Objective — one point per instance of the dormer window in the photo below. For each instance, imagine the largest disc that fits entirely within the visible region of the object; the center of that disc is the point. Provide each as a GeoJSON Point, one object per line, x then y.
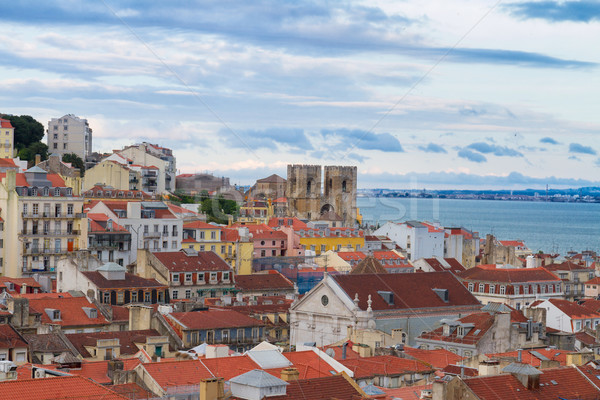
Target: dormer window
{"type": "Point", "coordinates": [460, 331]}
{"type": "Point", "coordinates": [34, 191]}
{"type": "Point", "coordinates": [55, 315]}
{"type": "Point", "coordinates": [69, 191]}
{"type": "Point", "coordinates": [446, 330]}
{"type": "Point", "coordinates": [481, 288]}
{"type": "Point", "coordinates": [46, 191]}
{"type": "Point", "coordinates": [56, 192]}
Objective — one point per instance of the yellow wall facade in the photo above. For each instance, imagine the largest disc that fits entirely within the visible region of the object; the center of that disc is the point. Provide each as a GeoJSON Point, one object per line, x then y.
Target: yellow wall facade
{"type": "Point", "coordinates": [334, 243]}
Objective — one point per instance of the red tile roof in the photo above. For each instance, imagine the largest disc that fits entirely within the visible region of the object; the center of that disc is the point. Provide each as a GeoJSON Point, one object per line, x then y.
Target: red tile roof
{"type": "Point", "coordinates": [71, 311]}
{"type": "Point", "coordinates": [567, 266]}
{"type": "Point", "coordinates": [285, 222]}
{"type": "Point", "coordinates": [179, 261]}
{"type": "Point", "coordinates": [199, 225]}
{"type": "Point", "coordinates": [64, 387]}
{"type": "Point", "coordinates": [438, 358]}
{"type": "Point", "coordinates": [352, 255]}
{"type": "Point", "coordinates": [555, 383]}
{"type": "Point", "coordinates": [127, 340]}
{"type": "Point", "coordinates": [178, 373]}
{"type": "Point", "coordinates": [213, 319]}
{"type": "Point", "coordinates": [335, 387]}
{"type": "Point", "coordinates": [482, 322]}
{"type": "Point", "coordinates": [9, 338]}
{"type": "Point", "coordinates": [132, 391]}
{"type": "Point", "coordinates": [273, 280]}
{"type": "Point", "coordinates": [454, 265]}
{"type": "Point", "coordinates": [513, 243]}
{"type": "Point", "coordinates": [5, 123]}
{"type": "Point", "coordinates": [98, 370]}
{"type": "Point", "coordinates": [591, 304]}
{"type": "Point", "coordinates": [593, 281]}
{"type": "Point", "coordinates": [573, 310]}
{"type": "Point", "coordinates": [130, 281]}
{"type": "Point", "coordinates": [460, 370]}
{"type": "Point", "coordinates": [518, 275]}
{"type": "Point", "coordinates": [527, 357]}
{"type": "Point", "coordinates": [406, 393]}
{"type": "Point", "coordinates": [368, 367]}
{"type": "Point", "coordinates": [411, 291]}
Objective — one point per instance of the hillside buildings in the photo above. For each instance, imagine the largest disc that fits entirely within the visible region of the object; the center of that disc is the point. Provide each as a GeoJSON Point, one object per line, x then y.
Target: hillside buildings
{"type": "Point", "coordinates": [69, 134]}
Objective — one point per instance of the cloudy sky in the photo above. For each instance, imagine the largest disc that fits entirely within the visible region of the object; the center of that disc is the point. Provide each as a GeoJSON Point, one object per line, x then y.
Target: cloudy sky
{"type": "Point", "coordinates": [426, 94]}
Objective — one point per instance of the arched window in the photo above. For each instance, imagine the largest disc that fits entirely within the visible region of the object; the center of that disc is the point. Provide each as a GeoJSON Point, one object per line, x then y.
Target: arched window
{"type": "Point", "coordinates": [344, 187]}
{"type": "Point", "coordinates": [308, 187]}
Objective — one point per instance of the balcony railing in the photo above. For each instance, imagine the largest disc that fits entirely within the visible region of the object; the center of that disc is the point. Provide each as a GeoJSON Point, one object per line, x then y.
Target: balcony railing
{"type": "Point", "coordinates": [52, 215]}
{"type": "Point", "coordinates": [51, 233]}
{"type": "Point", "coordinates": [46, 251]}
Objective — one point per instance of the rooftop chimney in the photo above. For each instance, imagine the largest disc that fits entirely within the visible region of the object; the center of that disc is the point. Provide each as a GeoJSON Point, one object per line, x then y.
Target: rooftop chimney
{"type": "Point", "coordinates": [38, 159]}
{"type": "Point", "coordinates": [290, 374]}
{"type": "Point", "coordinates": [212, 389]}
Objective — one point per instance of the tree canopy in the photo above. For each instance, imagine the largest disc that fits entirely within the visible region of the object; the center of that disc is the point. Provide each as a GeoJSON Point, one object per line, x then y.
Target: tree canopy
{"type": "Point", "coordinates": [27, 130]}
{"type": "Point", "coordinates": [75, 160]}
{"type": "Point", "coordinates": [218, 209]}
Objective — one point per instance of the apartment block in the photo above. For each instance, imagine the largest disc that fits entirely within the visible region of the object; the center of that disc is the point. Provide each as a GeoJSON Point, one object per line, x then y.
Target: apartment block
{"type": "Point", "coordinates": [69, 134]}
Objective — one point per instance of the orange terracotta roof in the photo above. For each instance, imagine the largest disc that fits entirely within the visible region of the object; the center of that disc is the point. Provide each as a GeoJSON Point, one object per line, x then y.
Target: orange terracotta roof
{"type": "Point", "coordinates": [179, 261]}
{"type": "Point", "coordinates": [64, 387]}
{"type": "Point", "coordinates": [517, 275]}
{"type": "Point", "coordinates": [438, 358]}
{"type": "Point", "coordinates": [555, 383]}
{"type": "Point", "coordinates": [132, 391]}
{"type": "Point", "coordinates": [274, 280]}
{"type": "Point", "coordinates": [5, 123]}
{"type": "Point", "coordinates": [367, 367]}
{"type": "Point", "coordinates": [178, 373]}
{"type": "Point", "coordinates": [199, 225]}
{"type": "Point", "coordinates": [213, 319]}
{"type": "Point", "coordinates": [71, 311]}
{"type": "Point", "coordinates": [527, 357]}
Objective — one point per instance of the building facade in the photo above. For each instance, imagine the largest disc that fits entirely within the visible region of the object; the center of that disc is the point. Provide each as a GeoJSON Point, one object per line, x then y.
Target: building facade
{"type": "Point", "coordinates": [69, 134]}
{"type": "Point", "coordinates": [42, 221]}
{"type": "Point", "coordinates": [7, 134]}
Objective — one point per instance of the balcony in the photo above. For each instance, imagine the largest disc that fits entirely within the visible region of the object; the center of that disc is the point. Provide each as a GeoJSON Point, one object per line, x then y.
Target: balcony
{"type": "Point", "coordinates": [52, 215]}
{"type": "Point", "coordinates": [151, 235]}
{"type": "Point", "coordinates": [47, 251]}
{"type": "Point", "coordinates": [50, 233]}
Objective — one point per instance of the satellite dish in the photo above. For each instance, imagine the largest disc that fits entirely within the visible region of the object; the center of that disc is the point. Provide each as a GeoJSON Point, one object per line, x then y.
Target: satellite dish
{"type": "Point", "coordinates": [330, 352]}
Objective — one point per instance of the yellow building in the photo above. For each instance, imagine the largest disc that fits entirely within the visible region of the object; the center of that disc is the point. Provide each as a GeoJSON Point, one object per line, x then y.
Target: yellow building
{"type": "Point", "coordinates": [256, 212]}
{"type": "Point", "coordinates": [114, 174]}
{"type": "Point", "coordinates": [336, 239]}
{"type": "Point", "coordinates": [231, 245]}
{"type": "Point", "coordinates": [7, 134]}
{"type": "Point", "coordinates": [42, 221]}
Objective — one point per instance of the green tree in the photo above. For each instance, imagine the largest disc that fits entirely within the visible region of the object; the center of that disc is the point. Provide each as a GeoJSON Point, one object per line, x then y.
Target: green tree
{"type": "Point", "coordinates": [27, 130]}
{"type": "Point", "coordinates": [29, 153]}
{"type": "Point", "coordinates": [75, 161]}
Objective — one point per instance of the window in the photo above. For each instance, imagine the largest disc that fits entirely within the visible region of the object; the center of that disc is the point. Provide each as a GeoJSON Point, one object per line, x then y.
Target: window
{"type": "Point", "coordinates": [165, 244]}
{"type": "Point", "coordinates": [240, 335]}
{"type": "Point", "coordinates": [201, 277]}
{"type": "Point", "coordinates": [147, 297]}
{"type": "Point", "coordinates": [35, 208]}
{"type": "Point", "coordinates": [64, 146]}
{"type": "Point", "coordinates": [174, 244]}
{"type": "Point", "coordinates": [213, 276]}
{"type": "Point", "coordinates": [175, 277]}
{"type": "Point", "coordinates": [201, 234]}
{"type": "Point", "coordinates": [188, 277]}
{"type": "Point", "coordinates": [262, 253]}
{"type": "Point", "coordinates": [481, 287]}
{"type": "Point", "coordinates": [213, 248]}
{"type": "Point", "coordinates": [134, 296]}
{"type": "Point", "coordinates": [120, 297]}
{"type": "Point", "coordinates": [213, 235]}
{"type": "Point", "coordinates": [70, 209]}
{"type": "Point", "coordinates": [175, 294]}
{"type": "Point", "coordinates": [470, 287]}
{"type": "Point", "coordinates": [225, 276]}
{"type": "Point", "coordinates": [188, 294]}
{"type": "Point", "coordinates": [516, 290]}
{"type": "Point", "coordinates": [525, 289]}
{"type": "Point", "coordinates": [492, 289]}
{"type": "Point", "coordinates": [502, 289]}
{"type": "Point", "coordinates": [255, 333]}
{"type": "Point", "coordinates": [106, 298]}
{"type": "Point", "coordinates": [222, 249]}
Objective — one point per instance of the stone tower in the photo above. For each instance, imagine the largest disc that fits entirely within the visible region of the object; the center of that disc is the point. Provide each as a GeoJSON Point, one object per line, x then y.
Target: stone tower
{"type": "Point", "coordinates": [340, 192]}
{"type": "Point", "coordinates": [309, 196]}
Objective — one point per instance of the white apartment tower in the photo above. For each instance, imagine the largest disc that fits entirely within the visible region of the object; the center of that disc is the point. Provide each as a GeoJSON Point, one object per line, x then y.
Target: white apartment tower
{"type": "Point", "coordinates": [69, 134]}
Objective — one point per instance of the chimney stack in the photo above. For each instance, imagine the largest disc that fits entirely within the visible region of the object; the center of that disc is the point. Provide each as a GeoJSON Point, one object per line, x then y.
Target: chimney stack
{"type": "Point", "coordinates": [290, 374]}
{"type": "Point", "coordinates": [212, 389]}
{"type": "Point", "coordinates": [38, 159]}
